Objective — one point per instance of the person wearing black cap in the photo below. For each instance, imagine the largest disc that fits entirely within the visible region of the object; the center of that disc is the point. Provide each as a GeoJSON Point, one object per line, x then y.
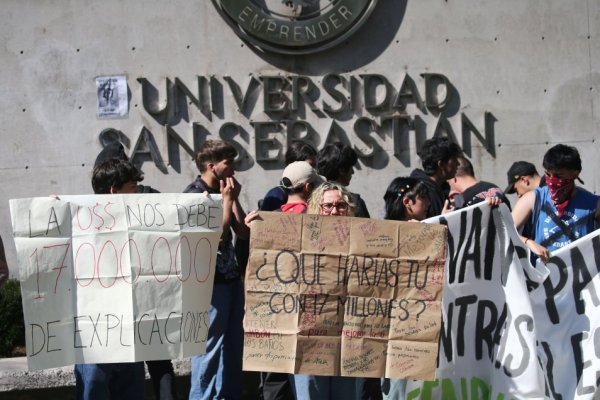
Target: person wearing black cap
{"type": "Point", "coordinates": [522, 178]}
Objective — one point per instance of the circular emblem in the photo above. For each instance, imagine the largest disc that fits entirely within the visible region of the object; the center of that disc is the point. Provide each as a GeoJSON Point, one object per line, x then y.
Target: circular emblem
{"type": "Point", "coordinates": [295, 26]}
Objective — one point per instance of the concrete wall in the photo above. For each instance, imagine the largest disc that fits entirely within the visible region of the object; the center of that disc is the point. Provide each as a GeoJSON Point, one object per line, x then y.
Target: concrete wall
{"type": "Point", "coordinates": [529, 68]}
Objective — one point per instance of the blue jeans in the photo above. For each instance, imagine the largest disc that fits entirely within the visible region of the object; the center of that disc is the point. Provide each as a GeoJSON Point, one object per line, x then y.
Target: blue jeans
{"type": "Point", "coordinates": [312, 387]}
{"type": "Point", "coordinates": [218, 373]}
{"type": "Point", "coordinates": [112, 381]}
{"type": "Point", "coordinates": [393, 389]}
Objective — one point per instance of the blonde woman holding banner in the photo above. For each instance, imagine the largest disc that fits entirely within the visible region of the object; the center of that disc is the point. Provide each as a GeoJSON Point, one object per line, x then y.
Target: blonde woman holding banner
{"type": "Point", "coordinates": [329, 199]}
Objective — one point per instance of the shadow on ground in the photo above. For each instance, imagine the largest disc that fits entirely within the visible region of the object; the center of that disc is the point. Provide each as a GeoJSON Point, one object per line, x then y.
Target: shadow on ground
{"type": "Point", "coordinates": [251, 380]}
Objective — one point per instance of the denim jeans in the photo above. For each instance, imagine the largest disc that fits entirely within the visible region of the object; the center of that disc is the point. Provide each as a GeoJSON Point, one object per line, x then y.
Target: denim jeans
{"type": "Point", "coordinates": [312, 387]}
{"type": "Point", "coordinates": [218, 373]}
{"type": "Point", "coordinates": [114, 381]}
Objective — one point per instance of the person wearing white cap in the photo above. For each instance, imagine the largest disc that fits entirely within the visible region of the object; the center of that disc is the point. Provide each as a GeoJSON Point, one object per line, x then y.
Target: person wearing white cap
{"type": "Point", "coordinates": [298, 181]}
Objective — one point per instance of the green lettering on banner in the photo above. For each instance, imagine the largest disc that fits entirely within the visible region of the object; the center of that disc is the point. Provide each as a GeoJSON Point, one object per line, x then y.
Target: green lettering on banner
{"type": "Point", "coordinates": [473, 388]}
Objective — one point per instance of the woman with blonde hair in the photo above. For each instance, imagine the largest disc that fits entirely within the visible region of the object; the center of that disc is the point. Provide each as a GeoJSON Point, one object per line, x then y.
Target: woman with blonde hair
{"type": "Point", "coordinates": [330, 198]}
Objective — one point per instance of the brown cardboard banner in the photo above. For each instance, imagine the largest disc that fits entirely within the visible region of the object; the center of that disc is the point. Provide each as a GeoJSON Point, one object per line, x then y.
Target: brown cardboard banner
{"type": "Point", "coordinates": [344, 296]}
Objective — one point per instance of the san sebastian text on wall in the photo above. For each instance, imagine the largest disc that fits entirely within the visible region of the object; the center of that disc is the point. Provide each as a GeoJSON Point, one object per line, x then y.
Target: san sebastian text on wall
{"type": "Point", "coordinates": [366, 111]}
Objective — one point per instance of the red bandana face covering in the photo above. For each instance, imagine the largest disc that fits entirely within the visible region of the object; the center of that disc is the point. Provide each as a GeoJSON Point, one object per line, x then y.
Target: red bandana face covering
{"type": "Point", "coordinates": [560, 192]}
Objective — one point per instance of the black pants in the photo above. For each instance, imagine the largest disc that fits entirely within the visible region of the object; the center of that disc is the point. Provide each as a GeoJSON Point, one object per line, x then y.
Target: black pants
{"type": "Point", "coordinates": [275, 386]}
{"type": "Point", "coordinates": [163, 379]}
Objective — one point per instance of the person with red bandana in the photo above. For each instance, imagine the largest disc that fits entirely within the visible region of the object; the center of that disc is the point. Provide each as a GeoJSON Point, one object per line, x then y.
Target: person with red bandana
{"type": "Point", "coordinates": [561, 212]}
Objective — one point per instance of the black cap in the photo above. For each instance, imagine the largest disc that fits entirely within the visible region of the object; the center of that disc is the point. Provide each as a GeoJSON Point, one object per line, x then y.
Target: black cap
{"type": "Point", "coordinates": [516, 171]}
{"type": "Point", "coordinates": [110, 151]}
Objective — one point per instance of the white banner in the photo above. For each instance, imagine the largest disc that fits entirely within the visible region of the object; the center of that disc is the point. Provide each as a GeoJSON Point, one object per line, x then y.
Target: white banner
{"type": "Point", "coordinates": [488, 342]}
{"type": "Point", "coordinates": [116, 278]}
{"type": "Point", "coordinates": [567, 315]}
{"type": "Point", "coordinates": [511, 330]}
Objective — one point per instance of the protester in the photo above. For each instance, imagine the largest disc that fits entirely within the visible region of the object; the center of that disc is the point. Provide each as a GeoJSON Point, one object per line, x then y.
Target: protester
{"type": "Point", "coordinates": [277, 196]}
{"type": "Point", "coordinates": [161, 371]}
{"type": "Point", "coordinates": [3, 265]}
{"type": "Point", "coordinates": [333, 199]}
{"type": "Point", "coordinates": [298, 180]}
{"type": "Point", "coordinates": [560, 212]}
{"type": "Point", "coordinates": [467, 190]}
{"type": "Point", "coordinates": [439, 158]}
{"type": "Point", "coordinates": [406, 199]}
{"type": "Point", "coordinates": [336, 163]}
{"type": "Point", "coordinates": [522, 178]}
{"type": "Point", "coordinates": [218, 373]}
{"type": "Point", "coordinates": [117, 151]}
{"type": "Point", "coordinates": [112, 381]}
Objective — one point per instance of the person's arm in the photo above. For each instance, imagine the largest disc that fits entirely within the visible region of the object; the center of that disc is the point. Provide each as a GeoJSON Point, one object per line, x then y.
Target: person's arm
{"type": "Point", "coordinates": [520, 214]}
{"type": "Point", "coordinates": [3, 265]}
{"type": "Point", "coordinates": [523, 209]}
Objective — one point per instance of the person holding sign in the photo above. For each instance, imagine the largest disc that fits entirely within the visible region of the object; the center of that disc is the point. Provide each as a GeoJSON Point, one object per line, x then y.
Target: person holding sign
{"type": "Point", "coordinates": [406, 199]}
{"type": "Point", "coordinates": [298, 180]}
{"type": "Point", "coordinates": [218, 373]}
{"type": "Point", "coordinates": [161, 371]}
{"type": "Point", "coordinates": [333, 199]}
{"type": "Point", "coordinates": [277, 196]}
{"type": "Point", "coordinates": [112, 380]}
{"type": "Point", "coordinates": [467, 190]}
{"type": "Point", "coordinates": [559, 212]}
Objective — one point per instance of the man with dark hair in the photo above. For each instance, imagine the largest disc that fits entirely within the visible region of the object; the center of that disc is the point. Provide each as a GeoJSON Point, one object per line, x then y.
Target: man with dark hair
{"type": "Point", "coordinates": [523, 177]}
{"type": "Point", "coordinates": [218, 373]}
{"type": "Point", "coordinates": [336, 163]}
{"type": "Point", "coordinates": [112, 380]}
{"type": "Point", "coordinates": [439, 159]}
{"type": "Point", "coordinates": [468, 190]}
{"type": "Point", "coordinates": [115, 150]}
{"type": "Point", "coordinates": [560, 212]}
{"type": "Point", "coordinates": [111, 174]}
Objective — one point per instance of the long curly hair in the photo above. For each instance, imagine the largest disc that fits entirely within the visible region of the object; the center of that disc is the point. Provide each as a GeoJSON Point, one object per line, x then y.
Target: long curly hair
{"type": "Point", "coordinates": [314, 203]}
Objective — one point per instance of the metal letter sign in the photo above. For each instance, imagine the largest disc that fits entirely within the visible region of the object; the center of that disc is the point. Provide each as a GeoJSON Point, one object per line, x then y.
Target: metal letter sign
{"type": "Point", "coordinates": [295, 26]}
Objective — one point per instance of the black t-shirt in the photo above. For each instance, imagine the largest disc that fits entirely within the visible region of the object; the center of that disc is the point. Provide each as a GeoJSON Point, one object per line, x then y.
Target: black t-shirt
{"type": "Point", "coordinates": [482, 190]}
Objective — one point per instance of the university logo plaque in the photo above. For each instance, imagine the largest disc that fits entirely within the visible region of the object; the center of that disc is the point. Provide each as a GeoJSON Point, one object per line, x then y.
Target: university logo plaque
{"type": "Point", "coordinates": [295, 26]}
